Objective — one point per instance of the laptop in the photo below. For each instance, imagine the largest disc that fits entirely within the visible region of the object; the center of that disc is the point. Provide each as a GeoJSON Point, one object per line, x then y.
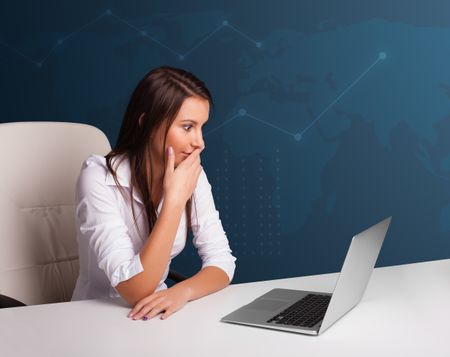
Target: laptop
{"type": "Point", "coordinates": [311, 312]}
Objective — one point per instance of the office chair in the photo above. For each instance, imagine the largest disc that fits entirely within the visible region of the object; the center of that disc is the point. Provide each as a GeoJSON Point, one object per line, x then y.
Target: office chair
{"type": "Point", "coordinates": [40, 163]}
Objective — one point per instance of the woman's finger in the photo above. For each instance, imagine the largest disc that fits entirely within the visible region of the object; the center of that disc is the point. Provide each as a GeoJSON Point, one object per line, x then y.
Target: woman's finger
{"type": "Point", "coordinates": [143, 313]}
{"type": "Point", "coordinates": [191, 159]}
{"type": "Point", "coordinates": [170, 166]}
{"type": "Point", "coordinates": [146, 309]}
{"type": "Point", "coordinates": [141, 303]}
{"type": "Point", "coordinates": [169, 311]}
{"type": "Point", "coordinates": [156, 310]}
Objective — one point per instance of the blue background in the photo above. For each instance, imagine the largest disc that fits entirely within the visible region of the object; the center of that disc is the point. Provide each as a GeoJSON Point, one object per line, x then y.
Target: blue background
{"type": "Point", "coordinates": [329, 116]}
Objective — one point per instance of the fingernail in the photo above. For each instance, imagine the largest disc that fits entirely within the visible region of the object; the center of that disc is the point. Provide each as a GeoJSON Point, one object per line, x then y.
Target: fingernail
{"type": "Point", "coordinates": [170, 150]}
{"type": "Point", "coordinates": [145, 318]}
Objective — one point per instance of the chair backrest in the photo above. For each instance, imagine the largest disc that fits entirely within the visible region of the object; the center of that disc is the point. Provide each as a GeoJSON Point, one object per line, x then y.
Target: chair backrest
{"type": "Point", "coordinates": [40, 163]}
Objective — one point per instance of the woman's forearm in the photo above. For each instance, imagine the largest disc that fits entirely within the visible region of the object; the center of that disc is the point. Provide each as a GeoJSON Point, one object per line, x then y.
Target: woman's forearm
{"type": "Point", "coordinates": [208, 280]}
{"type": "Point", "coordinates": [154, 255]}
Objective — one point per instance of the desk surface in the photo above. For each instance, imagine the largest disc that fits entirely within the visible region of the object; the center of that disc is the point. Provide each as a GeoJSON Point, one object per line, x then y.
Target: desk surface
{"type": "Point", "coordinates": [404, 312]}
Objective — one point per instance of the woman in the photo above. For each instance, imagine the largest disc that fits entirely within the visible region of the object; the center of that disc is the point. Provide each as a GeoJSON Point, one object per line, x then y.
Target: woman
{"type": "Point", "coordinates": [135, 205]}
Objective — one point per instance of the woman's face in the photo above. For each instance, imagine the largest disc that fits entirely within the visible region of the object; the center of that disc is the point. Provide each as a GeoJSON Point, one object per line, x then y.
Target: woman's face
{"type": "Point", "coordinates": [185, 133]}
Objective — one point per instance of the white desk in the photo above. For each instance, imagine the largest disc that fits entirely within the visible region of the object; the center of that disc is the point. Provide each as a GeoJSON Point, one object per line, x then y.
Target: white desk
{"type": "Point", "coordinates": [405, 312]}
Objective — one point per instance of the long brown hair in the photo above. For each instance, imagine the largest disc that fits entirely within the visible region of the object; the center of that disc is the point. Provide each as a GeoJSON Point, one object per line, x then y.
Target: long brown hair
{"type": "Point", "coordinates": [158, 97]}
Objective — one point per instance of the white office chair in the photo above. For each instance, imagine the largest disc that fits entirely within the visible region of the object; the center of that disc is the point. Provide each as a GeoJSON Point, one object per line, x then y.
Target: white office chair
{"type": "Point", "coordinates": [40, 163]}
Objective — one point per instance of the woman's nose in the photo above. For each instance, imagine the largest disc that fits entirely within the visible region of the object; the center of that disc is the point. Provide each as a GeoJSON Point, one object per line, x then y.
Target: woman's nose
{"type": "Point", "coordinates": [198, 141]}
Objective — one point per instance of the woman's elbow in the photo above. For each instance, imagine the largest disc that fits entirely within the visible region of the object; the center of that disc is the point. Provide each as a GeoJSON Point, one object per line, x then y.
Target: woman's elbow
{"type": "Point", "coordinates": [133, 291]}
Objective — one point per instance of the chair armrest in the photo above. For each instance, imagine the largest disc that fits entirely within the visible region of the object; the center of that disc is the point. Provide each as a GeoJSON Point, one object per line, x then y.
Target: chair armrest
{"type": "Point", "coordinates": [175, 276]}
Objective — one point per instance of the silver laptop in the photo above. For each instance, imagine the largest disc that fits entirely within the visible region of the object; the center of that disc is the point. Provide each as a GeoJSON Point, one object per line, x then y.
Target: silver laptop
{"type": "Point", "coordinates": [311, 312]}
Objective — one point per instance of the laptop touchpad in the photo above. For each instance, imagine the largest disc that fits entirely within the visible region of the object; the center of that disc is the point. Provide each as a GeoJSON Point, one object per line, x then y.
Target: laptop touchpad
{"type": "Point", "coordinates": [266, 304]}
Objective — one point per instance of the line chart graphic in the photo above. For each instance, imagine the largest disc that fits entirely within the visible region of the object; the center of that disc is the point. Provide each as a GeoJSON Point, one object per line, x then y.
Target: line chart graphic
{"type": "Point", "coordinates": [299, 135]}
{"type": "Point", "coordinates": [225, 24]}
{"type": "Point", "coordinates": [183, 55]}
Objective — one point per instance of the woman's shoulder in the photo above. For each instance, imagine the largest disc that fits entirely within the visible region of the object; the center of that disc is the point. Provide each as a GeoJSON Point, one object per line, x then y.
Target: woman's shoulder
{"type": "Point", "coordinates": [94, 165]}
{"type": "Point", "coordinates": [94, 161]}
{"type": "Point", "coordinates": [93, 172]}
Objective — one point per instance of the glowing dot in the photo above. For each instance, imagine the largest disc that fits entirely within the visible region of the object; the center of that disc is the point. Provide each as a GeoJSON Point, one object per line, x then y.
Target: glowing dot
{"type": "Point", "coordinates": [59, 42]}
{"type": "Point", "coordinates": [258, 44]}
{"type": "Point", "coordinates": [39, 65]}
{"type": "Point", "coordinates": [108, 12]}
{"type": "Point", "coordinates": [181, 57]}
{"type": "Point", "coordinates": [242, 112]}
{"type": "Point", "coordinates": [298, 137]}
{"type": "Point", "coordinates": [143, 33]}
{"type": "Point", "coordinates": [382, 56]}
{"type": "Point", "coordinates": [225, 23]}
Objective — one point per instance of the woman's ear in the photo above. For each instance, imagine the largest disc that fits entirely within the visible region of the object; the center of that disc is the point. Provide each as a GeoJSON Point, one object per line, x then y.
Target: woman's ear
{"type": "Point", "coordinates": [141, 120]}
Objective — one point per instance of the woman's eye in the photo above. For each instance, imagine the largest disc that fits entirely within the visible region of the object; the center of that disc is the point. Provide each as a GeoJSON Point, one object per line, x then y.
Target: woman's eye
{"type": "Point", "coordinates": [187, 127]}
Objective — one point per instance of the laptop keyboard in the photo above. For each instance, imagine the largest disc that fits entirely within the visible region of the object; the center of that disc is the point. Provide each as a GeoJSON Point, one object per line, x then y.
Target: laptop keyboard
{"type": "Point", "coordinates": [306, 312]}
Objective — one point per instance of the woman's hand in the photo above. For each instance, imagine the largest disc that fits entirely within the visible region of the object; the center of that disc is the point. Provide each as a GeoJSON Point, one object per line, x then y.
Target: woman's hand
{"type": "Point", "coordinates": [165, 301]}
{"type": "Point", "coordinates": [179, 183]}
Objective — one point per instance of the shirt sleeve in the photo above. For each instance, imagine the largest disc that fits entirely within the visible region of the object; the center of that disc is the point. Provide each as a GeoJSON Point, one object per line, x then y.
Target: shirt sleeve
{"type": "Point", "coordinates": [209, 237]}
{"type": "Point", "coordinates": [100, 222]}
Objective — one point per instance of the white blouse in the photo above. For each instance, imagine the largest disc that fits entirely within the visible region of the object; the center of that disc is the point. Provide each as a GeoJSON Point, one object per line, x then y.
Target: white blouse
{"type": "Point", "coordinates": [110, 241]}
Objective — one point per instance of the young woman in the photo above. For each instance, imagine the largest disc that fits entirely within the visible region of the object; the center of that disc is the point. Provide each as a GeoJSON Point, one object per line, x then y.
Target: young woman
{"type": "Point", "coordinates": [135, 206]}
